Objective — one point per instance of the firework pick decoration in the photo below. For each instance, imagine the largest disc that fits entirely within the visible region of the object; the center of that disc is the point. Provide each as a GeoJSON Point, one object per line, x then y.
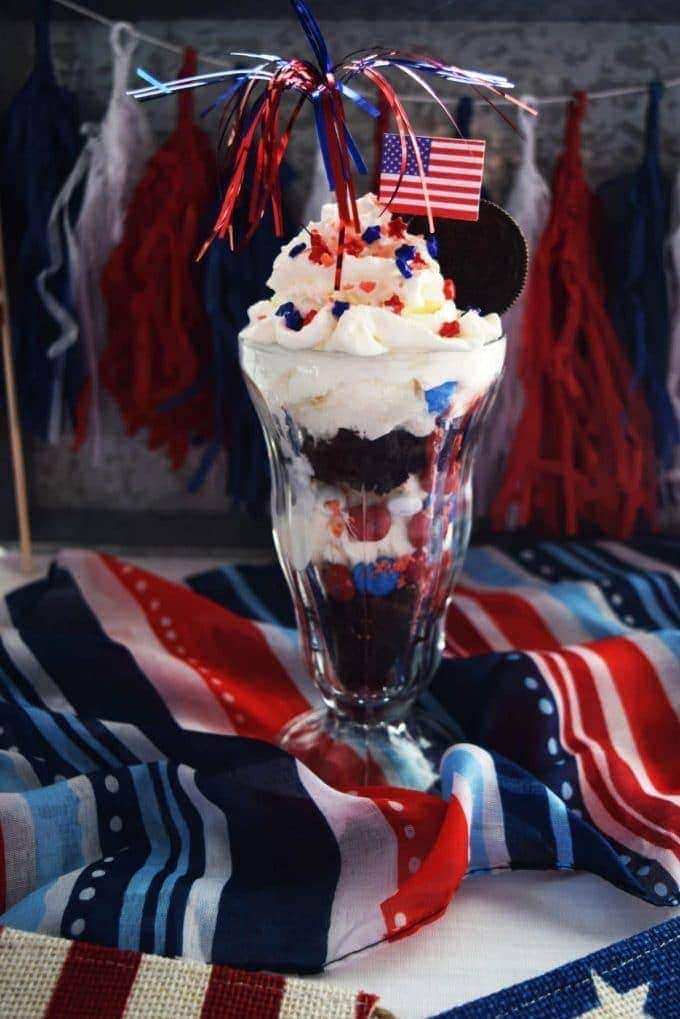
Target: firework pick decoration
{"type": "Point", "coordinates": [255, 133]}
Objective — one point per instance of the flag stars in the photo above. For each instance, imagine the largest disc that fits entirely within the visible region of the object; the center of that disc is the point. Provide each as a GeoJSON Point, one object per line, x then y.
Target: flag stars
{"type": "Point", "coordinates": [617, 599]}
{"type": "Point", "coordinates": [545, 706]}
{"type": "Point", "coordinates": [87, 894]}
{"type": "Point", "coordinates": [660, 889]}
{"type": "Point", "coordinates": [567, 791]}
{"type": "Point", "coordinates": [552, 746]}
{"type": "Point", "coordinates": [531, 683]}
{"type": "Point", "coordinates": [116, 823]}
{"type": "Point", "coordinates": [111, 783]}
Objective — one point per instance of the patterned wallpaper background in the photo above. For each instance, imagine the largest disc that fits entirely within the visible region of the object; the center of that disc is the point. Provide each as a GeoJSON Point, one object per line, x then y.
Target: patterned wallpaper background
{"type": "Point", "coordinates": [542, 58]}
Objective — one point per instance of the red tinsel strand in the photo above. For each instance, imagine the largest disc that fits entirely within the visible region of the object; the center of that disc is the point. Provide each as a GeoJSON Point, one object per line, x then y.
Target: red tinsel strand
{"type": "Point", "coordinates": [381, 125]}
{"type": "Point", "coordinates": [406, 131]}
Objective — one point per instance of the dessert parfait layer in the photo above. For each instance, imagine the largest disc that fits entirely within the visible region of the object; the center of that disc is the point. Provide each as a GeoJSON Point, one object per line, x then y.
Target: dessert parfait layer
{"type": "Point", "coordinates": [370, 396]}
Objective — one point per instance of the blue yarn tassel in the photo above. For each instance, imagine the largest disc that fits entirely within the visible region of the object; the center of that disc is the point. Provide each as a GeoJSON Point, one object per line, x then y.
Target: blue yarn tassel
{"type": "Point", "coordinates": [39, 144]}
{"type": "Point", "coordinates": [636, 213]}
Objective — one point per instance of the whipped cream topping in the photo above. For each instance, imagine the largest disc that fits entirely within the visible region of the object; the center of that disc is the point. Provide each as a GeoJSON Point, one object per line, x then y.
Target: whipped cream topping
{"type": "Point", "coordinates": [393, 295]}
{"type": "Point", "coordinates": [369, 356]}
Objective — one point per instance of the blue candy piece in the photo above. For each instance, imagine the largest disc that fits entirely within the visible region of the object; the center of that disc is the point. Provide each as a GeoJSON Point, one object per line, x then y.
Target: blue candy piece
{"type": "Point", "coordinates": [432, 245]}
{"type": "Point", "coordinates": [478, 310]}
{"type": "Point", "coordinates": [439, 397]}
{"type": "Point", "coordinates": [370, 234]}
{"type": "Point", "coordinates": [406, 252]}
{"type": "Point", "coordinates": [293, 320]}
{"type": "Point", "coordinates": [297, 250]}
{"type": "Point", "coordinates": [378, 582]}
{"type": "Point", "coordinates": [283, 309]}
{"type": "Point", "coordinates": [404, 269]}
{"type": "Point", "coordinates": [339, 308]}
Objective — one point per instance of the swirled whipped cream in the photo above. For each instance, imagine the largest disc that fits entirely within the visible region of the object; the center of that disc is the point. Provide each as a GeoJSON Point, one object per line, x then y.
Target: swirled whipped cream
{"type": "Point", "coordinates": [393, 295]}
{"type": "Point", "coordinates": [394, 316]}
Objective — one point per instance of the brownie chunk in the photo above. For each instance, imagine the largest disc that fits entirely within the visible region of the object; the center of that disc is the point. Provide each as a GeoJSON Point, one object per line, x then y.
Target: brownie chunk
{"type": "Point", "coordinates": [367, 636]}
{"type": "Point", "coordinates": [378, 465]}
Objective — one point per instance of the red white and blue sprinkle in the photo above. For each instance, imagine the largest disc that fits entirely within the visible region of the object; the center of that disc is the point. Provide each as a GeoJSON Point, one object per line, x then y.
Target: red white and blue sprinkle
{"type": "Point", "coordinates": [371, 234]}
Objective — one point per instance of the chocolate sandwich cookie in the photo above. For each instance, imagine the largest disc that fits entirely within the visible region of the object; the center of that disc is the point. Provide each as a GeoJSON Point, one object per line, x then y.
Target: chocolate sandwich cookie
{"type": "Point", "coordinates": [487, 260]}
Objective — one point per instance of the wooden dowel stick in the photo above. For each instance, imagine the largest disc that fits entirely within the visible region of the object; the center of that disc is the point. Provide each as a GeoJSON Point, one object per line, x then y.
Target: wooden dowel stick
{"type": "Point", "coordinates": [16, 447]}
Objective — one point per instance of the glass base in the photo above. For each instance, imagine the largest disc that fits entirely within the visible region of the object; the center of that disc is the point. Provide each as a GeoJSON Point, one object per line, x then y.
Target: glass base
{"type": "Point", "coordinates": [348, 755]}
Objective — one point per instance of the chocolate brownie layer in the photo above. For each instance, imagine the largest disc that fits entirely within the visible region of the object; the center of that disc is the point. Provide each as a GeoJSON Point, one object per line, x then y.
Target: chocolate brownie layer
{"type": "Point", "coordinates": [379, 465]}
{"type": "Point", "coordinates": [368, 634]}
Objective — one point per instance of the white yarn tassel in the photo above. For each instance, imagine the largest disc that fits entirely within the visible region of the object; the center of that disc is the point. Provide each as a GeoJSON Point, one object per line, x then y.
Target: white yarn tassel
{"type": "Point", "coordinates": [117, 160]}
{"type": "Point", "coordinates": [529, 205]}
{"type": "Point", "coordinates": [108, 167]}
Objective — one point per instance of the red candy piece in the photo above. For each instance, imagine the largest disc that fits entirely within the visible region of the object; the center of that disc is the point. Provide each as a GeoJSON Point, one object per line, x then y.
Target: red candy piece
{"type": "Point", "coordinates": [395, 303]}
{"type": "Point", "coordinates": [319, 249]}
{"type": "Point", "coordinates": [433, 446]}
{"type": "Point", "coordinates": [371, 524]}
{"type": "Point", "coordinates": [418, 529]}
{"type": "Point", "coordinates": [449, 290]}
{"type": "Point", "coordinates": [418, 262]}
{"type": "Point", "coordinates": [416, 569]}
{"type": "Point", "coordinates": [309, 316]}
{"type": "Point", "coordinates": [368, 286]}
{"type": "Point", "coordinates": [396, 227]}
{"type": "Point", "coordinates": [449, 329]}
{"type": "Point", "coordinates": [339, 583]}
{"type": "Point", "coordinates": [453, 477]}
{"type": "Point", "coordinates": [354, 246]}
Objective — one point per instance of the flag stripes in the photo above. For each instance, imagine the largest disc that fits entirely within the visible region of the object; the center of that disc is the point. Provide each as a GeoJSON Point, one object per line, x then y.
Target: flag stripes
{"type": "Point", "coordinates": [450, 183]}
{"type": "Point", "coordinates": [124, 700]}
{"type": "Point", "coordinates": [52, 978]}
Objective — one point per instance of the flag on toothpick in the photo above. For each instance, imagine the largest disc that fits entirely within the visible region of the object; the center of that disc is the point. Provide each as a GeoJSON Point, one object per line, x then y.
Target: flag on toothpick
{"type": "Point", "coordinates": [453, 169]}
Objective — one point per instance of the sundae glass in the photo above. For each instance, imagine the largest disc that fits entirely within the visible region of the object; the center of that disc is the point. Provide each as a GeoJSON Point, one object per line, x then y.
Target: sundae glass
{"type": "Point", "coordinates": [371, 398]}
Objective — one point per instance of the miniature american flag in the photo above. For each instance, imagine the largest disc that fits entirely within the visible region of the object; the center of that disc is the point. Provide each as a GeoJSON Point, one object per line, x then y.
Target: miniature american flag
{"type": "Point", "coordinates": [453, 169]}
